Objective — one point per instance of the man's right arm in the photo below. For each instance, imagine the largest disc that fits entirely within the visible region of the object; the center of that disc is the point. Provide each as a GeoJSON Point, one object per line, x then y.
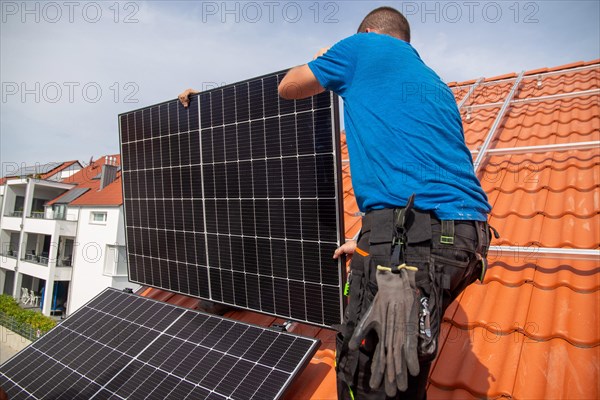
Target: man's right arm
{"type": "Point", "coordinates": [299, 83]}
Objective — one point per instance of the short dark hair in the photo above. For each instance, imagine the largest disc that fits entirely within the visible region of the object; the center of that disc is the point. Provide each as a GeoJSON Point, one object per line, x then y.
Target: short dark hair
{"type": "Point", "coordinates": [387, 20]}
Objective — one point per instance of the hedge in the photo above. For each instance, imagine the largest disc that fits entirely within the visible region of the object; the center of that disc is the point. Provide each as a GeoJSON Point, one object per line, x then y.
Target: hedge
{"type": "Point", "coordinates": [28, 319]}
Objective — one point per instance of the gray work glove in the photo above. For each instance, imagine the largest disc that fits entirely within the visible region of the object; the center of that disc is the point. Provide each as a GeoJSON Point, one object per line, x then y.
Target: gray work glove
{"type": "Point", "coordinates": [393, 315]}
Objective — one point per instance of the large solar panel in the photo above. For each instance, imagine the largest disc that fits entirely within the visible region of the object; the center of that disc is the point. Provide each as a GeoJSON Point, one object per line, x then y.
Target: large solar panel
{"type": "Point", "coordinates": [122, 346]}
{"type": "Point", "coordinates": [236, 199]}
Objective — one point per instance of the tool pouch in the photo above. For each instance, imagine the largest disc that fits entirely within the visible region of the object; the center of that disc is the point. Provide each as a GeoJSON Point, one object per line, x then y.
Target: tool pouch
{"type": "Point", "coordinates": [428, 279]}
{"type": "Point", "coordinates": [376, 236]}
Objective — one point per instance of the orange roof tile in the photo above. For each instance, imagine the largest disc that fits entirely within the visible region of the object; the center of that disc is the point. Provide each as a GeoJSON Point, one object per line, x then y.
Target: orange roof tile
{"type": "Point", "coordinates": [111, 195]}
{"type": "Point", "coordinates": [555, 369]}
{"type": "Point", "coordinates": [477, 312]}
{"type": "Point", "coordinates": [583, 277]}
{"type": "Point", "coordinates": [351, 218]}
{"type": "Point", "coordinates": [530, 330]}
{"type": "Point", "coordinates": [469, 360]}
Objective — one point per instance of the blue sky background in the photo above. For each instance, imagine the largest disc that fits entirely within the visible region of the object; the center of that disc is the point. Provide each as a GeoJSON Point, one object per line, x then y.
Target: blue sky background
{"type": "Point", "coordinates": [67, 71]}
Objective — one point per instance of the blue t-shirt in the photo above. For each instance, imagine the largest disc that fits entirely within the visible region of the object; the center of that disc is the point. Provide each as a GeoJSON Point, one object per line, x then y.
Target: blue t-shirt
{"type": "Point", "coordinates": [403, 129]}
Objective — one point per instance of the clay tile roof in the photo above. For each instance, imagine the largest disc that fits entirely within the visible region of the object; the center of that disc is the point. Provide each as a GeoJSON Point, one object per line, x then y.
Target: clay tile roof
{"type": "Point", "coordinates": [59, 168]}
{"type": "Point", "coordinates": [521, 333]}
{"type": "Point", "coordinates": [531, 330]}
{"type": "Point", "coordinates": [44, 171]}
{"type": "Point", "coordinates": [111, 195]}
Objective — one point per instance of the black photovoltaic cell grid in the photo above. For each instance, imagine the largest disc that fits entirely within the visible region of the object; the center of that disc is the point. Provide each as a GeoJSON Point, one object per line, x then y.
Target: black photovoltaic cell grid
{"type": "Point", "coordinates": [236, 199]}
{"type": "Point", "coordinates": [122, 346]}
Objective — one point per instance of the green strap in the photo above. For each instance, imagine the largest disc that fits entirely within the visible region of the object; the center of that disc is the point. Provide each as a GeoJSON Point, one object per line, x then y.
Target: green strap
{"type": "Point", "coordinates": [351, 392]}
{"type": "Point", "coordinates": [447, 232]}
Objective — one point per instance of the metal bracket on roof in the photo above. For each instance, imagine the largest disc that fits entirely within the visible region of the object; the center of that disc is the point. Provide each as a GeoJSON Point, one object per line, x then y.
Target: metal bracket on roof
{"type": "Point", "coordinates": [471, 90]}
{"type": "Point", "coordinates": [539, 81]}
{"type": "Point", "coordinates": [494, 128]}
{"type": "Point", "coordinates": [285, 327]}
{"type": "Point", "coordinates": [469, 109]}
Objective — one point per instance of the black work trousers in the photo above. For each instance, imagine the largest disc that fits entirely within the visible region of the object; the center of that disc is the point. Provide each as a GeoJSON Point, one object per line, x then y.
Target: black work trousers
{"type": "Point", "coordinates": [457, 265]}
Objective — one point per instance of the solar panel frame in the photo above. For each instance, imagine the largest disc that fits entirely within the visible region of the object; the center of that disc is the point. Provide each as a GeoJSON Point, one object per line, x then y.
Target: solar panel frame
{"type": "Point", "coordinates": [99, 352]}
{"type": "Point", "coordinates": [161, 263]}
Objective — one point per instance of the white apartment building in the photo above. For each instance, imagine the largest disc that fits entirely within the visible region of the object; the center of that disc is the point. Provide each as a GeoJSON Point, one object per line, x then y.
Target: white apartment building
{"type": "Point", "coordinates": [62, 234]}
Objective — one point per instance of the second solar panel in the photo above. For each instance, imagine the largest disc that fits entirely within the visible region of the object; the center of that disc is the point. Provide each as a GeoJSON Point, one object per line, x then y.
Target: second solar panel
{"type": "Point", "coordinates": [236, 199]}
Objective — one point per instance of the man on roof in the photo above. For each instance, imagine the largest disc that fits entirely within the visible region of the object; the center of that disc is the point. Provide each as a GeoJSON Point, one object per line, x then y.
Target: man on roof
{"type": "Point", "coordinates": [424, 234]}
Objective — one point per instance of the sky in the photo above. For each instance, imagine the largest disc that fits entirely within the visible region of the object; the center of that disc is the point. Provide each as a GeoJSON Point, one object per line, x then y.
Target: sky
{"type": "Point", "coordinates": [68, 68]}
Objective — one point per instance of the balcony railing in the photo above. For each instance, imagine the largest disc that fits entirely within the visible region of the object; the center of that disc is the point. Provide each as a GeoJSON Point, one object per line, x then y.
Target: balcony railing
{"type": "Point", "coordinates": [42, 260]}
{"type": "Point", "coordinates": [48, 215]}
{"type": "Point", "coordinates": [64, 262]}
{"type": "Point", "coordinates": [9, 254]}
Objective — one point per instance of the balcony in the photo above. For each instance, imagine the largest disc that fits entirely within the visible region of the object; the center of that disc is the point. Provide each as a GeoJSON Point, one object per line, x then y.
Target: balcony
{"type": "Point", "coordinates": [8, 262]}
{"type": "Point", "coordinates": [41, 260]}
{"type": "Point", "coordinates": [55, 215]}
{"type": "Point", "coordinates": [9, 254]}
{"type": "Point", "coordinates": [11, 223]}
{"type": "Point", "coordinates": [40, 271]}
{"type": "Point", "coordinates": [45, 223]}
{"type": "Point", "coordinates": [64, 262]}
{"type": "Point", "coordinates": [16, 214]}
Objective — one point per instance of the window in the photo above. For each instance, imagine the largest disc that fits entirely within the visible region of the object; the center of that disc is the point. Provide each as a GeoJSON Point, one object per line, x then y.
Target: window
{"type": "Point", "coordinates": [115, 262]}
{"type": "Point", "coordinates": [98, 217]}
{"type": "Point", "coordinates": [59, 211]}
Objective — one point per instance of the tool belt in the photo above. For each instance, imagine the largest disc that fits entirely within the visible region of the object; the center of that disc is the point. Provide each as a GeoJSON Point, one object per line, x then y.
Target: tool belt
{"type": "Point", "coordinates": [407, 235]}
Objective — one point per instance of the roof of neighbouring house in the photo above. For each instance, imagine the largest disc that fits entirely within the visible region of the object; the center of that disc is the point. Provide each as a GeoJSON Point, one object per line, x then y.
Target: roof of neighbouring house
{"type": "Point", "coordinates": [41, 171]}
{"type": "Point", "coordinates": [86, 178]}
{"type": "Point", "coordinates": [532, 328]}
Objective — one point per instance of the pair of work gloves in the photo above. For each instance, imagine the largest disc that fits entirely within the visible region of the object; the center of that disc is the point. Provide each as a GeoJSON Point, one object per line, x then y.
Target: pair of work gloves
{"type": "Point", "coordinates": [393, 315]}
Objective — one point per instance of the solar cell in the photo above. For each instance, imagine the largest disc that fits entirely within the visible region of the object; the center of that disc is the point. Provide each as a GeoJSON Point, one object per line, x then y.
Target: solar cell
{"type": "Point", "coordinates": [236, 199]}
{"type": "Point", "coordinates": [122, 346]}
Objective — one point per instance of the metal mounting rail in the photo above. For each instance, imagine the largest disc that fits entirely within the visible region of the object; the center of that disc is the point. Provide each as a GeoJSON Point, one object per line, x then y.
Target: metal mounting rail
{"type": "Point", "coordinates": [492, 132]}
{"type": "Point", "coordinates": [535, 76]}
{"type": "Point", "coordinates": [473, 87]}
{"type": "Point", "coordinates": [544, 148]}
{"type": "Point", "coordinates": [534, 252]}
{"type": "Point", "coordinates": [589, 92]}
